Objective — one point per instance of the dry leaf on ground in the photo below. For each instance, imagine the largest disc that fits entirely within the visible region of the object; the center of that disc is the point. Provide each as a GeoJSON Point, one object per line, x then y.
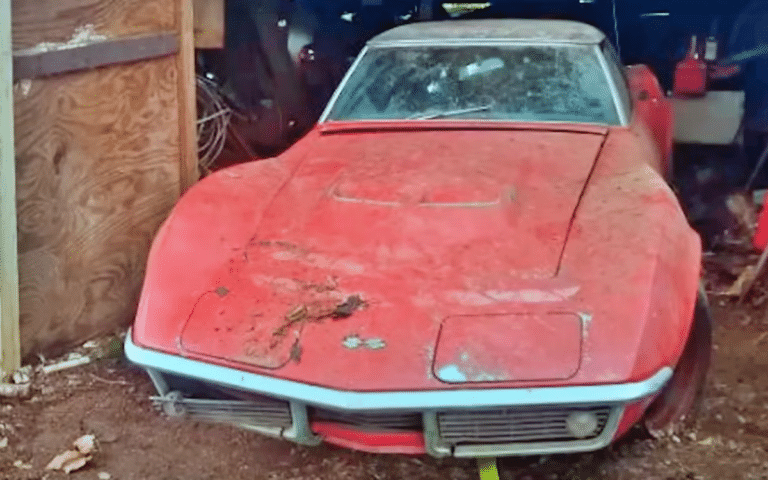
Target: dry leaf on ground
{"type": "Point", "coordinates": [72, 460]}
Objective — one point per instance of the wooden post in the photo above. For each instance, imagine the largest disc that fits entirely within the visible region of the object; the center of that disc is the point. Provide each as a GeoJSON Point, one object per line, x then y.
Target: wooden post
{"type": "Point", "coordinates": [187, 95]}
{"type": "Point", "coordinates": [9, 273]}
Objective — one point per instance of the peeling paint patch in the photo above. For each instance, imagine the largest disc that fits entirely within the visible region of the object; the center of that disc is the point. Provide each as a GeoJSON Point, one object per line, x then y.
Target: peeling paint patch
{"type": "Point", "coordinates": [288, 284]}
{"type": "Point", "coordinates": [375, 343]}
{"type": "Point", "coordinates": [486, 377]}
{"type": "Point", "coordinates": [429, 358]}
{"type": "Point", "coordinates": [328, 288]}
{"type": "Point", "coordinates": [529, 295]}
{"type": "Point", "coordinates": [532, 295]}
{"type": "Point", "coordinates": [348, 266]}
{"type": "Point", "coordinates": [608, 376]}
{"type": "Point", "coordinates": [464, 372]}
{"type": "Point", "coordinates": [470, 299]}
{"type": "Point", "coordinates": [284, 255]}
{"type": "Point", "coordinates": [451, 373]}
{"type": "Point", "coordinates": [353, 342]}
{"type": "Point", "coordinates": [586, 321]}
{"type": "Point", "coordinates": [319, 261]}
{"type": "Point", "coordinates": [23, 87]}
{"type": "Point", "coordinates": [83, 35]}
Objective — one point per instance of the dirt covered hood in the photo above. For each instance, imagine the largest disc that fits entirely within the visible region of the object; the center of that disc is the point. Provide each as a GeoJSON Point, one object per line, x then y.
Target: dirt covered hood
{"type": "Point", "coordinates": [379, 237]}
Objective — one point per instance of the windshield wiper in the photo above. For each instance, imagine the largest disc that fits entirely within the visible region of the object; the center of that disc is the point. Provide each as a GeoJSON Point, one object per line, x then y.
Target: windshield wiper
{"type": "Point", "coordinates": [450, 113]}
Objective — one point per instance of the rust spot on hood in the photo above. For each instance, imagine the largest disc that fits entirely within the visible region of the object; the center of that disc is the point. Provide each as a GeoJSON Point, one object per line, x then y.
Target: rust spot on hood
{"type": "Point", "coordinates": [222, 291]}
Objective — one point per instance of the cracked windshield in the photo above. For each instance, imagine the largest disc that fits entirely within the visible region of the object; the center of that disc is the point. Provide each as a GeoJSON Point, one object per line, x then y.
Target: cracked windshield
{"type": "Point", "coordinates": [519, 83]}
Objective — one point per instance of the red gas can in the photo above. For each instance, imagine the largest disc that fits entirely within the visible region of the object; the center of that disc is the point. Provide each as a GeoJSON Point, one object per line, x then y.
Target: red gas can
{"type": "Point", "coordinates": [691, 74]}
{"type": "Point", "coordinates": [760, 240]}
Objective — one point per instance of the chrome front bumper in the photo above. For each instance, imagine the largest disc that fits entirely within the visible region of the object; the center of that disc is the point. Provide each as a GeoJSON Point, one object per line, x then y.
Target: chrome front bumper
{"type": "Point", "coordinates": [300, 397]}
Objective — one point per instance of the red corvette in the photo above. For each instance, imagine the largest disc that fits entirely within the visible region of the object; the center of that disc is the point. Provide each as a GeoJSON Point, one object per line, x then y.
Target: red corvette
{"type": "Point", "coordinates": [474, 253]}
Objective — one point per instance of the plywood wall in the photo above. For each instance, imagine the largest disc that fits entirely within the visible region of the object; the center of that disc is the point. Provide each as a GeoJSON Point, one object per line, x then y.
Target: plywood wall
{"type": "Point", "coordinates": [209, 23]}
{"type": "Point", "coordinates": [101, 157]}
{"type": "Point", "coordinates": [36, 21]}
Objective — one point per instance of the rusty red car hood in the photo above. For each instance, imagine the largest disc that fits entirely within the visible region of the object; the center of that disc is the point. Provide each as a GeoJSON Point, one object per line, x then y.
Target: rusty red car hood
{"type": "Point", "coordinates": [382, 260]}
{"type": "Point", "coordinates": [469, 203]}
{"type": "Point", "coordinates": [414, 226]}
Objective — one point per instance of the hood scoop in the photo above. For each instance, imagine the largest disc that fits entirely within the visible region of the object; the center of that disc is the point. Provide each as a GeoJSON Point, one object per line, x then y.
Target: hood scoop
{"type": "Point", "coordinates": [421, 190]}
{"type": "Point", "coordinates": [478, 207]}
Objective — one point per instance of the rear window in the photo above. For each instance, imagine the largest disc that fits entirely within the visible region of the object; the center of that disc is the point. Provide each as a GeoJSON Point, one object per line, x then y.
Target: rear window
{"type": "Point", "coordinates": [551, 83]}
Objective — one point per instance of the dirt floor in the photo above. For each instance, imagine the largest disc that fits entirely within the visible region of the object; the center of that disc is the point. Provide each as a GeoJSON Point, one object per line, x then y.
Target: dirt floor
{"type": "Point", "coordinates": [110, 400]}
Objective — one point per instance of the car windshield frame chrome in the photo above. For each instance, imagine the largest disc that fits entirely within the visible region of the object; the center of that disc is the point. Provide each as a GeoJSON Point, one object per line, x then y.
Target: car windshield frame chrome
{"type": "Point", "coordinates": [613, 85]}
{"type": "Point", "coordinates": [616, 84]}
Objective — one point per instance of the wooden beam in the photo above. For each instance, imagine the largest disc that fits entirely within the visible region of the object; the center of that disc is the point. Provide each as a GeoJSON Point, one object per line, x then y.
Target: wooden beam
{"type": "Point", "coordinates": [37, 22]}
{"type": "Point", "coordinates": [187, 94]}
{"type": "Point", "coordinates": [34, 62]}
{"type": "Point", "coordinates": [9, 274]}
{"type": "Point", "coordinates": [209, 23]}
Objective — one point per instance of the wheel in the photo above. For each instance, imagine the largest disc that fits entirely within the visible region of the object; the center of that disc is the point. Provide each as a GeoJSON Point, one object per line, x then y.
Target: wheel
{"type": "Point", "coordinates": [681, 398]}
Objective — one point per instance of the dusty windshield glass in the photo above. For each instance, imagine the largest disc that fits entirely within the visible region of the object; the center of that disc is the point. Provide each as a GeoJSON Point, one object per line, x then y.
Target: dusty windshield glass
{"type": "Point", "coordinates": [557, 83]}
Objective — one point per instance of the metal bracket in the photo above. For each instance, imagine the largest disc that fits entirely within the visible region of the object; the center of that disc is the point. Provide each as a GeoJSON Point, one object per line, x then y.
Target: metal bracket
{"type": "Point", "coordinates": [432, 441]}
{"type": "Point", "coordinates": [300, 431]}
{"type": "Point", "coordinates": [158, 381]}
{"type": "Point", "coordinates": [173, 404]}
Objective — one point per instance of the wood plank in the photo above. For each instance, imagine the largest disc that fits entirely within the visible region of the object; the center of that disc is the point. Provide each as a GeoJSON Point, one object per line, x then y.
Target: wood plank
{"type": "Point", "coordinates": [9, 274]}
{"type": "Point", "coordinates": [34, 63]}
{"type": "Point", "coordinates": [97, 157]}
{"type": "Point", "coordinates": [58, 21]}
{"type": "Point", "coordinates": [209, 23]}
{"type": "Point", "coordinates": [187, 96]}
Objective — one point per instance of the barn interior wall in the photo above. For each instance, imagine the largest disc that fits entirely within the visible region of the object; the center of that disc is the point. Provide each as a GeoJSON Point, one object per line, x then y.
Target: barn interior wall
{"type": "Point", "coordinates": [101, 157]}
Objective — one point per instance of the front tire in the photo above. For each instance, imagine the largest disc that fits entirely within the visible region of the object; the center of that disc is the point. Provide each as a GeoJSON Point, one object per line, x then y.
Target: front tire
{"type": "Point", "coordinates": [680, 400]}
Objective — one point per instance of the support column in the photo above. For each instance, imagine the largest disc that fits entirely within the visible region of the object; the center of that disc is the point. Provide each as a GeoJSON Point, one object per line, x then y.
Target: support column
{"type": "Point", "coordinates": [9, 272]}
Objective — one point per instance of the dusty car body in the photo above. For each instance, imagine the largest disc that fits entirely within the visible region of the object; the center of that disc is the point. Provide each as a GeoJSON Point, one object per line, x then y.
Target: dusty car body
{"type": "Point", "coordinates": [474, 253]}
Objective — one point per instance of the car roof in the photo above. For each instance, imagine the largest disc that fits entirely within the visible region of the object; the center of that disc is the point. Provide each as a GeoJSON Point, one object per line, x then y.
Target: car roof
{"type": "Point", "coordinates": [491, 30]}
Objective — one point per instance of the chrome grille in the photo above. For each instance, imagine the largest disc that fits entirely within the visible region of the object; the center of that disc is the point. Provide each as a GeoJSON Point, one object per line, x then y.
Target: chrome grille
{"type": "Point", "coordinates": [370, 420]}
{"type": "Point", "coordinates": [257, 412]}
{"type": "Point", "coordinates": [513, 425]}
